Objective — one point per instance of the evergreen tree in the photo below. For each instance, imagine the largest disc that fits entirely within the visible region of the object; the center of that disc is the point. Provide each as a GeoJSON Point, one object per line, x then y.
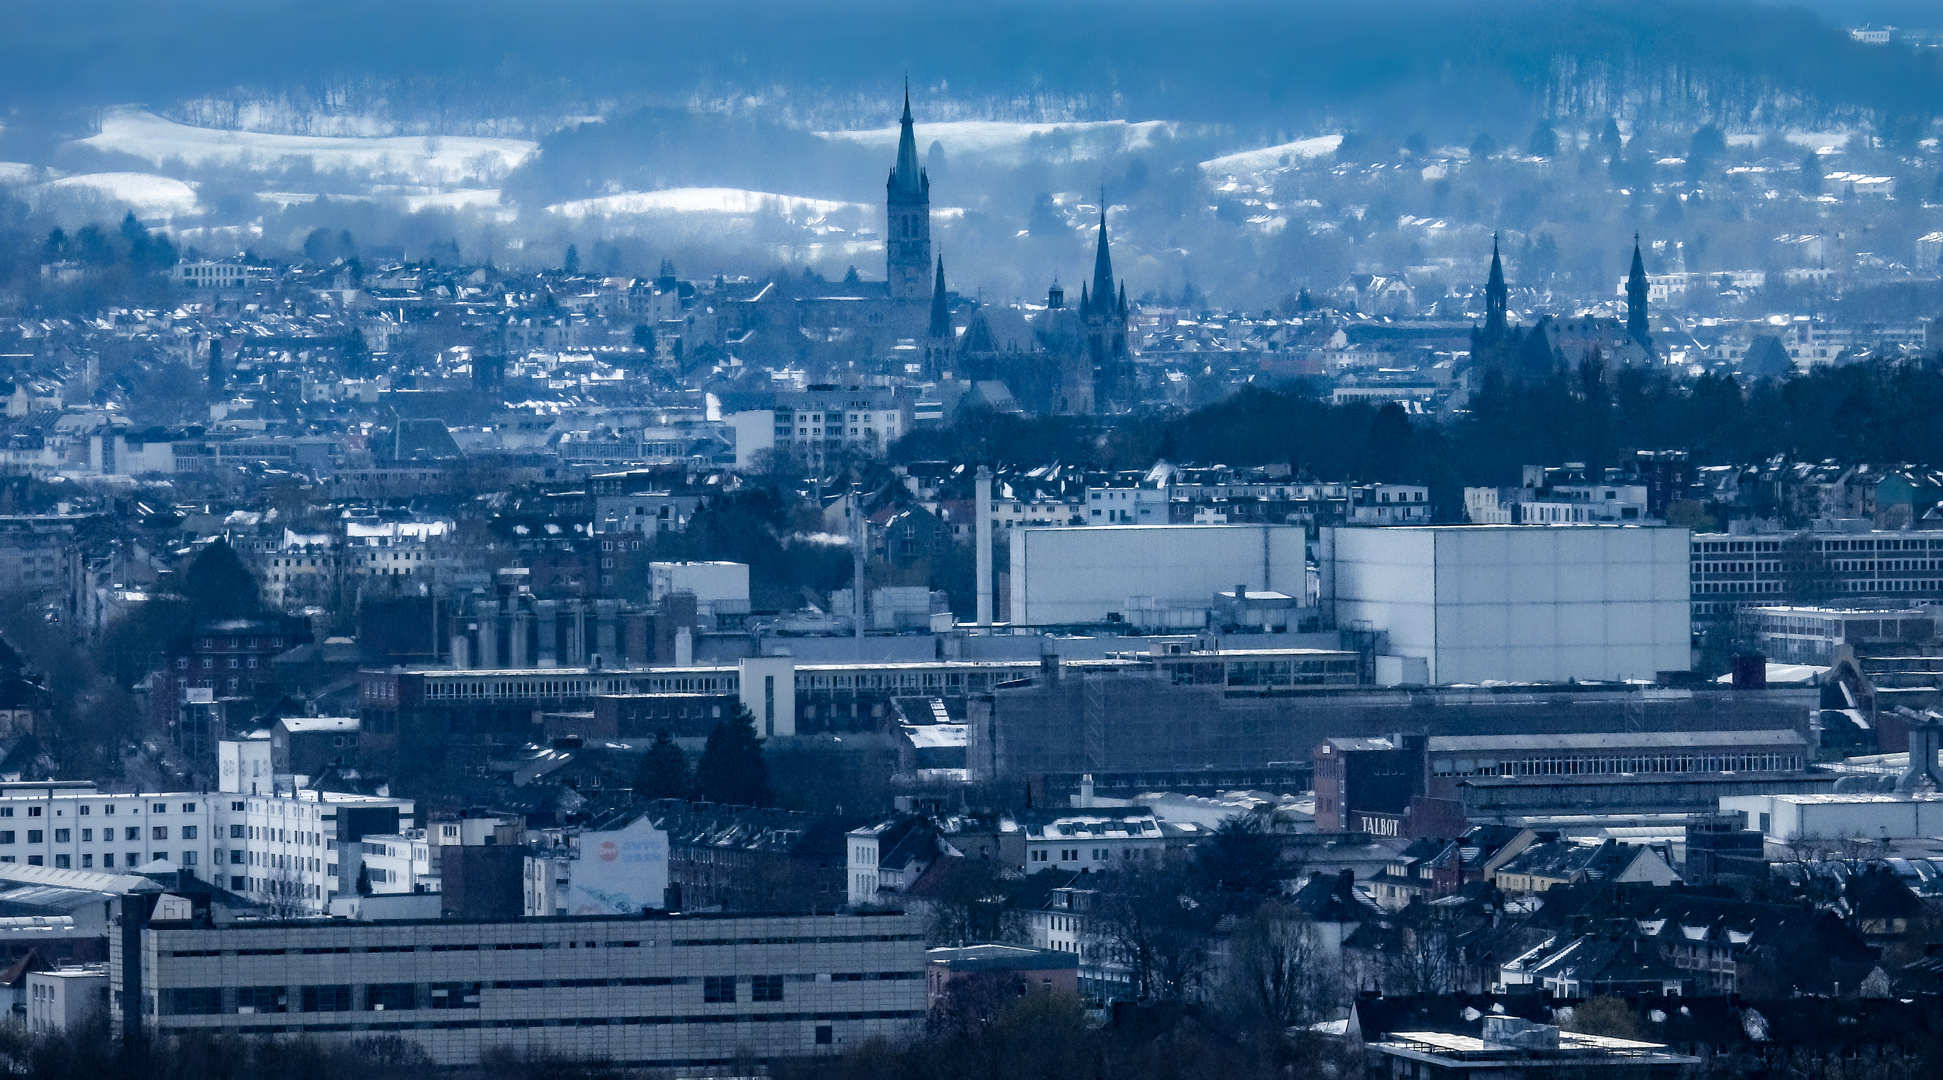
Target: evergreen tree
{"type": "Point", "coordinates": [731, 769]}
{"type": "Point", "coordinates": [572, 264]}
{"type": "Point", "coordinates": [218, 585]}
{"type": "Point", "coordinates": [664, 770]}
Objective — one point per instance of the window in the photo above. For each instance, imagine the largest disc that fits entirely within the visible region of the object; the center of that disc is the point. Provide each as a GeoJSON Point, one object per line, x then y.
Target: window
{"type": "Point", "coordinates": [35, 836]}
{"type": "Point", "coordinates": [261, 999]}
{"type": "Point", "coordinates": [6, 836]}
{"type": "Point", "coordinates": [188, 858]}
{"type": "Point", "coordinates": [236, 832]}
{"type": "Point", "coordinates": [318, 999]}
{"type": "Point", "coordinates": [161, 832]}
{"type": "Point", "coordinates": [236, 858]}
{"type": "Point", "coordinates": [718, 989]}
{"type": "Point", "coordinates": [108, 861]}
{"type": "Point", "coordinates": [188, 832]}
{"type": "Point", "coordinates": [134, 832]}
{"type": "Point", "coordinates": [61, 862]}
{"type": "Point", "coordinates": [766, 988]}
{"type": "Point", "coordinates": [195, 1001]}
{"type": "Point", "coordinates": [455, 995]}
{"type": "Point", "coordinates": [188, 808]}
{"type": "Point", "coordinates": [380, 997]}
{"type": "Point", "coordinates": [825, 1034]}
{"type": "Point", "coordinates": [33, 811]}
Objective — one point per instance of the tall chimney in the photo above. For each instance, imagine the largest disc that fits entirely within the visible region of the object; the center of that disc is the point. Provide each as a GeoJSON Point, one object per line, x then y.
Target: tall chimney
{"type": "Point", "coordinates": [982, 493]}
{"type": "Point", "coordinates": [857, 536]}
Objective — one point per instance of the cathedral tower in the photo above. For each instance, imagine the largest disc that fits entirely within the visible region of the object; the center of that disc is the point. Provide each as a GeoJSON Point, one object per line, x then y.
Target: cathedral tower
{"type": "Point", "coordinates": [907, 237]}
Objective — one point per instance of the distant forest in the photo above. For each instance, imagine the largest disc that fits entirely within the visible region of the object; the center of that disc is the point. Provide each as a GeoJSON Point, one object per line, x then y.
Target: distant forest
{"type": "Point", "coordinates": [1257, 66]}
{"type": "Point", "coordinates": [1867, 412]}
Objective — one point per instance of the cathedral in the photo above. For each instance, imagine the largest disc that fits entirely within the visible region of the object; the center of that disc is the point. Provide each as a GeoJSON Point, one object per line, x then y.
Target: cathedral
{"type": "Point", "coordinates": [1555, 344]}
{"type": "Point", "coordinates": [1058, 360]}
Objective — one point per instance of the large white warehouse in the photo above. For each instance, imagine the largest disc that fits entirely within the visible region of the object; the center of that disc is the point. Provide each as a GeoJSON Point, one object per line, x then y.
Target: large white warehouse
{"type": "Point", "coordinates": [1088, 574]}
{"type": "Point", "coordinates": [1516, 603]}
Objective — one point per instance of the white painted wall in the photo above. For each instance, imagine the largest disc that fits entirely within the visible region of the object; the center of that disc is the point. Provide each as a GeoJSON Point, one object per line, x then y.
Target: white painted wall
{"type": "Point", "coordinates": [1081, 574]}
{"type": "Point", "coordinates": [1517, 603]}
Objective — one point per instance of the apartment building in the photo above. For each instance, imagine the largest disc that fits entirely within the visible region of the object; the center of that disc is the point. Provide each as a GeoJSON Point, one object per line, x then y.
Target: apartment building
{"type": "Point", "coordinates": [660, 991]}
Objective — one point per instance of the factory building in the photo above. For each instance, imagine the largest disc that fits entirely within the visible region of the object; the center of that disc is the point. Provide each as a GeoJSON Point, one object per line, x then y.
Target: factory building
{"type": "Point", "coordinates": [1538, 604]}
{"type": "Point", "coordinates": [1161, 576]}
{"type": "Point", "coordinates": [1123, 726]}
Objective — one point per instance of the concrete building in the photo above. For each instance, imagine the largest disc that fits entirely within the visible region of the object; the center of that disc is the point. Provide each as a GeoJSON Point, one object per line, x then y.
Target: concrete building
{"type": "Point", "coordinates": [1089, 575]}
{"type": "Point", "coordinates": [1730, 572]}
{"type": "Point", "coordinates": [1514, 603]}
{"type": "Point", "coordinates": [65, 999]}
{"type": "Point", "coordinates": [1813, 635]}
{"type": "Point", "coordinates": [1033, 969]}
{"type": "Point", "coordinates": [667, 992]}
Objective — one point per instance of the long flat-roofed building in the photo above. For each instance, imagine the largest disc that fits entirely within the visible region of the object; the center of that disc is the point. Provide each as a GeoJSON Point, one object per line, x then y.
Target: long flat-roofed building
{"type": "Point", "coordinates": [664, 992]}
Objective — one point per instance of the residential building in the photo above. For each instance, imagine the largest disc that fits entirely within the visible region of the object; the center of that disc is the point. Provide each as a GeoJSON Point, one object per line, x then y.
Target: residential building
{"type": "Point", "coordinates": [66, 999]}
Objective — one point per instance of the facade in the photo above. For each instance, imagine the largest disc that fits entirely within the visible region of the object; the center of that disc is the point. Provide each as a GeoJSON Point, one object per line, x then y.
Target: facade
{"type": "Point", "coordinates": [65, 999]}
{"type": "Point", "coordinates": [1813, 635]}
{"type": "Point", "coordinates": [1514, 603]}
{"type": "Point", "coordinates": [666, 992]}
{"type": "Point", "coordinates": [1732, 572]}
{"type": "Point", "coordinates": [1097, 842]}
{"type": "Point", "coordinates": [1089, 575]}
{"type": "Point", "coordinates": [820, 424]}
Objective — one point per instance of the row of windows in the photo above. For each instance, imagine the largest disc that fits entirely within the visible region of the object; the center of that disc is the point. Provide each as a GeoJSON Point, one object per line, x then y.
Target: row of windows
{"type": "Point", "coordinates": [107, 810]}
{"type": "Point", "coordinates": [66, 836]}
{"type": "Point", "coordinates": [1574, 766]}
{"type": "Point", "coordinates": [1755, 547]}
{"type": "Point", "coordinates": [134, 859]}
{"type": "Point", "coordinates": [1098, 854]}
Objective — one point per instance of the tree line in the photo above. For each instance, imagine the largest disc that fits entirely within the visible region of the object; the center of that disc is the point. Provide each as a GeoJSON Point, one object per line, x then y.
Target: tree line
{"type": "Point", "coordinates": [1875, 411]}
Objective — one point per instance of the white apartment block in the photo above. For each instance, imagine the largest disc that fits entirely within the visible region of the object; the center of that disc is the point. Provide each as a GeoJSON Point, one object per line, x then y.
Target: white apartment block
{"type": "Point", "coordinates": [70, 825]}
{"type": "Point", "coordinates": [815, 424]}
{"type": "Point", "coordinates": [399, 862]}
{"type": "Point", "coordinates": [392, 548]}
{"type": "Point", "coordinates": [284, 849]}
{"type": "Point", "coordinates": [667, 992]}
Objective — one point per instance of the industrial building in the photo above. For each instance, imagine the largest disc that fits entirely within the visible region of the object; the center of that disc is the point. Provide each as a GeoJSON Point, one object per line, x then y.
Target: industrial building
{"type": "Point", "coordinates": [1416, 785]}
{"type": "Point", "coordinates": [660, 991]}
{"type": "Point", "coordinates": [1163, 576]}
{"type": "Point", "coordinates": [1486, 603]}
{"type": "Point", "coordinates": [1125, 725]}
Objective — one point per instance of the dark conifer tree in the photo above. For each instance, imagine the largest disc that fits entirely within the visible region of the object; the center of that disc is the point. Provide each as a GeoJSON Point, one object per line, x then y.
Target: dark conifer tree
{"type": "Point", "coordinates": [731, 769]}
{"type": "Point", "coordinates": [664, 770]}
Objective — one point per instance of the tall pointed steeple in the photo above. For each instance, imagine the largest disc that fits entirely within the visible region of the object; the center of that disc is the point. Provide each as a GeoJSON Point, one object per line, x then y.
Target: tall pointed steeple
{"type": "Point", "coordinates": [1103, 262]}
{"type": "Point", "coordinates": [940, 311]}
{"type": "Point", "coordinates": [1496, 298]}
{"type": "Point", "coordinates": [908, 176]}
{"type": "Point", "coordinates": [1636, 293]}
{"type": "Point", "coordinates": [907, 209]}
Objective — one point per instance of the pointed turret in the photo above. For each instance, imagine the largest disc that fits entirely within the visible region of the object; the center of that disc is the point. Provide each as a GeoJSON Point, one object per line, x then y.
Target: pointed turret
{"type": "Point", "coordinates": [1103, 263]}
{"type": "Point", "coordinates": [1636, 292]}
{"type": "Point", "coordinates": [1496, 298]}
{"type": "Point", "coordinates": [1085, 301]}
{"type": "Point", "coordinates": [940, 312]}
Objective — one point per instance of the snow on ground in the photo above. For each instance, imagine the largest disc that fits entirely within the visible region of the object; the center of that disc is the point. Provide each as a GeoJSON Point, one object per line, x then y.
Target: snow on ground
{"type": "Point", "coordinates": [702, 201]}
{"type": "Point", "coordinates": [426, 159]}
{"type": "Point", "coordinates": [1006, 142]}
{"type": "Point", "coordinates": [150, 196]}
{"type": "Point", "coordinates": [1269, 157]}
{"type": "Point", "coordinates": [469, 199]}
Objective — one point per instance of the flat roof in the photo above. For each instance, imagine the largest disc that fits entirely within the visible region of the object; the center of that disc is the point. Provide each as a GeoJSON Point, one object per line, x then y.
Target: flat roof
{"type": "Point", "coordinates": [1458, 744]}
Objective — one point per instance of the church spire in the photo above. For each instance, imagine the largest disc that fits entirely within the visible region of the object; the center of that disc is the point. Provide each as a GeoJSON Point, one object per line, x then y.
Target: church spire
{"type": "Point", "coordinates": [1636, 292]}
{"type": "Point", "coordinates": [940, 312]}
{"type": "Point", "coordinates": [908, 177]}
{"type": "Point", "coordinates": [1496, 297]}
{"type": "Point", "coordinates": [1103, 262]}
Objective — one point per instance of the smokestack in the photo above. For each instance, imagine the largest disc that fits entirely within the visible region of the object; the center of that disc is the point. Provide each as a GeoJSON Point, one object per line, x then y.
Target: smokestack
{"type": "Point", "coordinates": [857, 566]}
{"type": "Point", "coordinates": [982, 493]}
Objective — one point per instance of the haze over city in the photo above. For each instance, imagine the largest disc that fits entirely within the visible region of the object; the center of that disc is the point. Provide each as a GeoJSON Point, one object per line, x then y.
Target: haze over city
{"type": "Point", "coordinates": [836, 541]}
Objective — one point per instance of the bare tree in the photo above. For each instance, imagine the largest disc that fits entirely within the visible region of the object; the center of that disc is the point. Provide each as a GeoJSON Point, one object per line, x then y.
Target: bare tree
{"type": "Point", "coordinates": [1151, 923]}
{"type": "Point", "coordinates": [1278, 969]}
